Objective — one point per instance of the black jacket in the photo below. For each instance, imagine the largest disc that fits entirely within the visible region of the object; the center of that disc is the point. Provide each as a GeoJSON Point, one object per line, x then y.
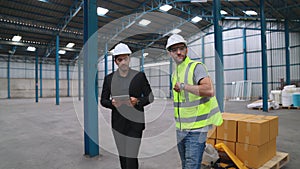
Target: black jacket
{"type": "Point", "coordinates": [127, 118]}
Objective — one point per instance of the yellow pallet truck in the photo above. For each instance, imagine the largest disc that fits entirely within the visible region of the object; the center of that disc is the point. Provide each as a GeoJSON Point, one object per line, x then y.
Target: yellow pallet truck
{"type": "Point", "coordinates": [237, 164]}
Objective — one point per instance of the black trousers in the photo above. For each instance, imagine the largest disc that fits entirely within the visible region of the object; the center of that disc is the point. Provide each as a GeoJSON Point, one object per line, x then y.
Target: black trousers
{"type": "Point", "coordinates": [128, 145]}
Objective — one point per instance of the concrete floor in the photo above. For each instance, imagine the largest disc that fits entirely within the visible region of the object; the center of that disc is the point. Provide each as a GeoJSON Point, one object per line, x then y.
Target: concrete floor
{"type": "Point", "coordinates": [45, 136]}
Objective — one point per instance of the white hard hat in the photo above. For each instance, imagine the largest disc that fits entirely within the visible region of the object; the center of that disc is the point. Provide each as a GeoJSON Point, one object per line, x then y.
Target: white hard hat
{"type": "Point", "coordinates": [175, 39]}
{"type": "Point", "coordinates": [120, 49]}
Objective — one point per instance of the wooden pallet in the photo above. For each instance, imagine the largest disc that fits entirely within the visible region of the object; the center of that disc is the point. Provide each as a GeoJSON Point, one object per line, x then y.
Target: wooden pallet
{"type": "Point", "coordinates": [289, 107]}
{"type": "Point", "coordinates": [281, 107]}
{"type": "Point", "coordinates": [277, 161]}
{"type": "Point", "coordinates": [260, 108]}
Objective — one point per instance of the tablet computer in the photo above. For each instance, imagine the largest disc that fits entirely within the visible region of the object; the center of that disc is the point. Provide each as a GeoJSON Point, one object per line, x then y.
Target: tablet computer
{"type": "Point", "coordinates": [121, 97]}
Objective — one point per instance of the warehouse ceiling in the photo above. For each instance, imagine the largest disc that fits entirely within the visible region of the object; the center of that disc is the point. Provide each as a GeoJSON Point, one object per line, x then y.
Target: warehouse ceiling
{"type": "Point", "coordinates": [39, 22]}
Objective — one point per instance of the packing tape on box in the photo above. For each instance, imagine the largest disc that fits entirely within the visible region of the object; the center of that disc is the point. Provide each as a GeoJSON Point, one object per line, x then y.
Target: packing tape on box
{"type": "Point", "coordinates": [225, 122]}
{"type": "Point", "coordinates": [248, 126]}
{"type": "Point", "coordinates": [247, 139]}
{"type": "Point", "coordinates": [246, 147]}
{"type": "Point", "coordinates": [225, 136]}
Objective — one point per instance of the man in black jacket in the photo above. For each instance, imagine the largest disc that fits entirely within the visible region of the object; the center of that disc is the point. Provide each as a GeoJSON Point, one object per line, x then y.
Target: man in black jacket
{"type": "Point", "coordinates": [126, 92]}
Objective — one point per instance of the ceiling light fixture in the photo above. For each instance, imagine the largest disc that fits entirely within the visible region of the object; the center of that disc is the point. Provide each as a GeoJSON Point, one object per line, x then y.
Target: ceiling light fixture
{"type": "Point", "coordinates": [62, 52]}
{"type": "Point", "coordinates": [144, 22]}
{"type": "Point", "coordinates": [145, 54]}
{"type": "Point", "coordinates": [250, 12]}
{"type": "Point", "coordinates": [31, 48]}
{"type": "Point", "coordinates": [70, 45]}
{"type": "Point", "coordinates": [101, 11]}
{"type": "Point", "coordinates": [175, 31]}
{"type": "Point", "coordinates": [43, 0]}
{"type": "Point", "coordinates": [196, 19]}
{"type": "Point", "coordinates": [16, 38]}
{"type": "Point", "coordinates": [165, 7]}
{"type": "Point", "coordinates": [223, 12]}
{"type": "Point", "coordinates": [195, 1]}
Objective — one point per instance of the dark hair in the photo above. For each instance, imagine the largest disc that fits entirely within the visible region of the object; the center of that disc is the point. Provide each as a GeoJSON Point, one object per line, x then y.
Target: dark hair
{"type": "Point", "coordinates": [116, 56]}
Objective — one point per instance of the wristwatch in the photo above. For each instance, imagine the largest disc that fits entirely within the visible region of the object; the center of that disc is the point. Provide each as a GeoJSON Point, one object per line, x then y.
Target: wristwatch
{"type": "Point", "coordinates": [181, 87]}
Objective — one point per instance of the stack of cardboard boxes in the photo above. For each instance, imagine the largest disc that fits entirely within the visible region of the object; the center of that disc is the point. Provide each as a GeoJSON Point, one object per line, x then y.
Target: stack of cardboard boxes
{"type": "Point", "coordinates": [252, 138]}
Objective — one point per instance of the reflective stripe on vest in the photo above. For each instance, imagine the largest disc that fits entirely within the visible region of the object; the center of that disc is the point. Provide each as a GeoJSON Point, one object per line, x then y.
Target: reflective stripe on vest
{"type": "Point", "coordinates": [198, 118]}
{"type": "Point", "coordinates": [192, 103]}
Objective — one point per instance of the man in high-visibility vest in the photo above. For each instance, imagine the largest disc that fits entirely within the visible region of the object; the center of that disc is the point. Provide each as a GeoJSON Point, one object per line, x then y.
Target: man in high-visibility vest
{"type": "Point", "coordinates": [195, 106]}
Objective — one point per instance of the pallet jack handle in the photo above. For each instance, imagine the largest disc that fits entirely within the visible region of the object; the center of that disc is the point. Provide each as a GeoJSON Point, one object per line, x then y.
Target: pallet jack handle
{"type": "Point", "coordinates": [232, 156]}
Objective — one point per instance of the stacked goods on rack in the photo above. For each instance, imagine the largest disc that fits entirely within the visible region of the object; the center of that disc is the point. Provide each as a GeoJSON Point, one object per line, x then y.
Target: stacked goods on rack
{"type": "Point", "coordinates": [287, 95]}
{"type": "Point", "coordinates": [252, 138]}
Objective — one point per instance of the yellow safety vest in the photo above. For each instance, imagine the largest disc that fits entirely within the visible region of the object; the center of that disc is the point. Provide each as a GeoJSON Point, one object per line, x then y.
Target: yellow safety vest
{"type": "Point", "coordinates": [193, 111]}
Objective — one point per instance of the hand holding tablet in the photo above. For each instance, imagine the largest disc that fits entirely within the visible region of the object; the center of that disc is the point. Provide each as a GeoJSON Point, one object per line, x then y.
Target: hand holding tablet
{"type": "Point", "coordinates": [120, 100]}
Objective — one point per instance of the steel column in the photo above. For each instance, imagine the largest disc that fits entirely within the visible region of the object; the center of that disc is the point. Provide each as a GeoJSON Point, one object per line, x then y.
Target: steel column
{"type": "Point", "coordinates": [68, 79]}
{"type": "Point", "coordinates": [264, 56]}
{"type": "Point", "coordinates": [91, 140]}
{"type": "Point", "coordinates": [41, 81]}
{"type": "Point", "coordinates": [245, 54]}
{"type": "Point", "coordinates": [57, 70]}
{"type": "Point", "coordinates": [8, 76]}
{"type": "Point", "coordinates": [219, 67]}
{"type": "Point", "coordinates": [287, 52]}
{"type": "Point", "coordinates": [36, 76]}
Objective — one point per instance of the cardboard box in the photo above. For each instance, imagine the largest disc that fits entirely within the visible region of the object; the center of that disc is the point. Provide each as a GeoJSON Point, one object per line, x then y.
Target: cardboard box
{"type": "Point", "coordinates": [212, 133]}
{"type": "Point", "coordinates": [273, 126]}
{"type": "Point", "coordinates": [251, 155]}
{"type": "Point", "coordinates": [255, 156]}
{"type": "Point", "coordinates": [272, 148]}
{"type": "Point", "coordinates": [228, 130]}
{"type": "Point", "coordinates": [273, 133]}
{"type": "Point", "coordinates": [254, 131]}
{"type": "Point", "coordinates": [229, 144]}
